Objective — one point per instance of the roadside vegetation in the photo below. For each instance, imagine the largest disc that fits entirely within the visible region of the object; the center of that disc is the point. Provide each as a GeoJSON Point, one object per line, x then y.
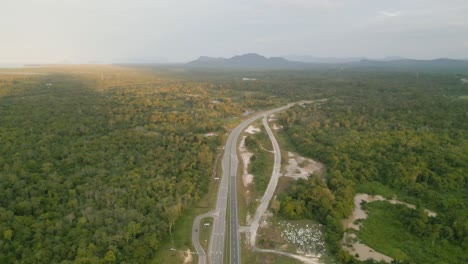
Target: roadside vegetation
{"type": "Point", "coordinates": [398, 134]}
{"type": "Point", "coordinates": [261, 163]}
{"type": "Point", "coordinates": [409, 235]}
{"type": "Point", "coordinates": [249, 256]}
{"type": "Point", "coordinates": [100, 164]}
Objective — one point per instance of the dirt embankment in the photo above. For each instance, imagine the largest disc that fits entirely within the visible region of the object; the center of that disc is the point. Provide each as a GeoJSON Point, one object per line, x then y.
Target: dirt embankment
{"type": "Point", "coordinates": [350, 241]}
{"type": "Point", "coordinates": [188, 259]}
{"type": "Point", "coordinates": [247, 178]}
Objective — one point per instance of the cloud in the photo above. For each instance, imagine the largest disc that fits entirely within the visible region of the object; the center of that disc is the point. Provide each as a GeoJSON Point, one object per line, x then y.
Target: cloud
{"type": "Point", "coordinates": [306, 3]}
{"type": "Point", "coordinates": [390, 13]}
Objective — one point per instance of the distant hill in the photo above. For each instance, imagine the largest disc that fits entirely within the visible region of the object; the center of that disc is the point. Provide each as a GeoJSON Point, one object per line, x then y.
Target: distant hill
{"type": "Point", "coordinates": [436, 65]}
{"type": "Point", "coordinates": [392, 58]}
{"type": "Point", "coordinates": [336, 60]}
{"type": "Point", "coordinates": [249, 60]}
{"type": "Point", "coordinates": [206, 59]}
{"type": "Point", "coordinates": [328, 60]}
{"type": "Point", "coordinates": [259, 62]}
{"type": "Point", "coordinates": [141, 60]}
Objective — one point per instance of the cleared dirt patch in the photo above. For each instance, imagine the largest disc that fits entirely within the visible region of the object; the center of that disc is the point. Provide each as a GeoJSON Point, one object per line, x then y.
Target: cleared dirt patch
{"type": "Point", "coordinates": [276, 127]}
{"type": "Point", "coordinates": [247, 178]}
{"type": "Point", "coordinates": [362, 251]}
{"type": "Point", "coordinates": [188, 259]}
{"type": "Point", "coordinates": [350, 241]}
{"type": "Point", "coordinates": [252, 130]}
{"type": "Point", "coordinates": [301, 168]}
{"type": "Point", "coordinates": [270, 237]}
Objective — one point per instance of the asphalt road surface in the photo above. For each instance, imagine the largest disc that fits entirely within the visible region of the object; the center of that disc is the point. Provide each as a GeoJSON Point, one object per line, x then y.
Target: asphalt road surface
{"type": "Point", "coordinates": [229, 164]}
{"type": "Point", "coordinates": [228, 184]}
{"type": "Point", "coordinates": [195, 237]}
{"type": "Point", "coordinates": [271, 184]}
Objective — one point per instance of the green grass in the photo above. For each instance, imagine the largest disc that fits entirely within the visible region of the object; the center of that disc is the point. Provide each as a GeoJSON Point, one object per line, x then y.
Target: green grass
{"type": "Point", "coordinates": [263, 138]}
{"type": "Point", "coordinates": [377, 188]}
{"type": "Point", "coordinates": [285, 146]}
{"type": "Point", "coordinates": [181, 238]}
{"type": "Point", "coordinates": [261, 163]}
{"type": "Point", "coordinates": [241, 199]}
{"type": "Point", "coordinates": [248, 256]}
{"type": "Point", "coordinates": [261, 166]}
{"type": "Point", "coordinates": [283, 140]}
{"type": "Point", "coordinates": [205, 232]}
{"type": "Point", "coordinates": [384, 231]}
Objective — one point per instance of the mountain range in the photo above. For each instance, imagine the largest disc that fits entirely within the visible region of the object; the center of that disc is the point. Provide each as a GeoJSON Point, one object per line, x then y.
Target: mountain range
{"type": "Point", "coordinates": [259, 62]}
{"type": "Point", "coordinates": [249, 60]}
{"type": "Point", "coordinates": [335, 60]}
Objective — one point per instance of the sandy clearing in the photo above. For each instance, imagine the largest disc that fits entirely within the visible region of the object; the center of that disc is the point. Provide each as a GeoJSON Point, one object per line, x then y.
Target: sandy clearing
{"type": "Point", "coordinates": [365, 252]}
{"type": "Point", "coordinates": [299, 167]}
{"type": "Point", "coordinates": [360, 213]}
{"type": "Point", "coordinates": [252, 130]}
{"type": "Point", "coordinates": [248, 221]}
{"type": "Point", "coordinates": [275, 127]}
{"type": "Point", "coordinates": [251, 231]}
{"type": "Point", "coordinates": [247, 178]}
{"type": "Point", "coordinates": [188, 257]}
{"type": "Point", "coordinates": [264, 219]}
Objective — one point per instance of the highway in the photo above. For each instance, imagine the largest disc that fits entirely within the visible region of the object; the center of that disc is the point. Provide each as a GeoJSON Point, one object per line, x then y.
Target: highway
{"type": "Point", "coordinates": [275, 174]}
{"type": "Point", "coordinates": [195, 237]}
{"type": "Point", "coordinates": [228, 185]}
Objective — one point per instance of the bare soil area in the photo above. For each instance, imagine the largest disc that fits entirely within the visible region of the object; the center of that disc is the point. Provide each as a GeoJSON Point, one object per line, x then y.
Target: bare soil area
{"type": "Point", "coordinates": [350, 241]}
{"type": "Point", "coordinates": [188, 259]}
{"type": "Point", "coordinates": [247, 178]}
{"type": "Point", "coordinates": [301, 168]}
{"type": "Point", "coordinates": [252, 130]}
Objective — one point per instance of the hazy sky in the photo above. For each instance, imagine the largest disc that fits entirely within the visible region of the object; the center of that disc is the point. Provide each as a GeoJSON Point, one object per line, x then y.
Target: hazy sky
{"type": "Point", "coordinates": [181, 30]}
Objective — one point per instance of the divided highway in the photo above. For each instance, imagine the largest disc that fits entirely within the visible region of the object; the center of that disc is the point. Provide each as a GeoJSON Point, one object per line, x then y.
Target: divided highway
{"type": "Point", "coordinates": [228, 188]}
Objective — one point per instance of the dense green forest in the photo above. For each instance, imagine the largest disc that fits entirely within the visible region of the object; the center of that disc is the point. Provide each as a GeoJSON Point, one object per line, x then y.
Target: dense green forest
{"type": "Point", "coordinates": [389, 133]}
{"type": "Point", "coordinates": [95, 170]}
{"type": "Point", "coordinates": [97, 163]}
{"type": "Point", "coordinates": [392, 132]}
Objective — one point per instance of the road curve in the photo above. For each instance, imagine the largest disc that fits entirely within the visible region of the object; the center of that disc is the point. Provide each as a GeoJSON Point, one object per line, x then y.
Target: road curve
{"type": "Point", "coordinates": [229, 164]}
{"type": "Point", "coordinates": [267, 197]}
{"type": "Point", "coordinates": [195, 237]}
{"type": "Point", "coordinates": [275, 174]}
